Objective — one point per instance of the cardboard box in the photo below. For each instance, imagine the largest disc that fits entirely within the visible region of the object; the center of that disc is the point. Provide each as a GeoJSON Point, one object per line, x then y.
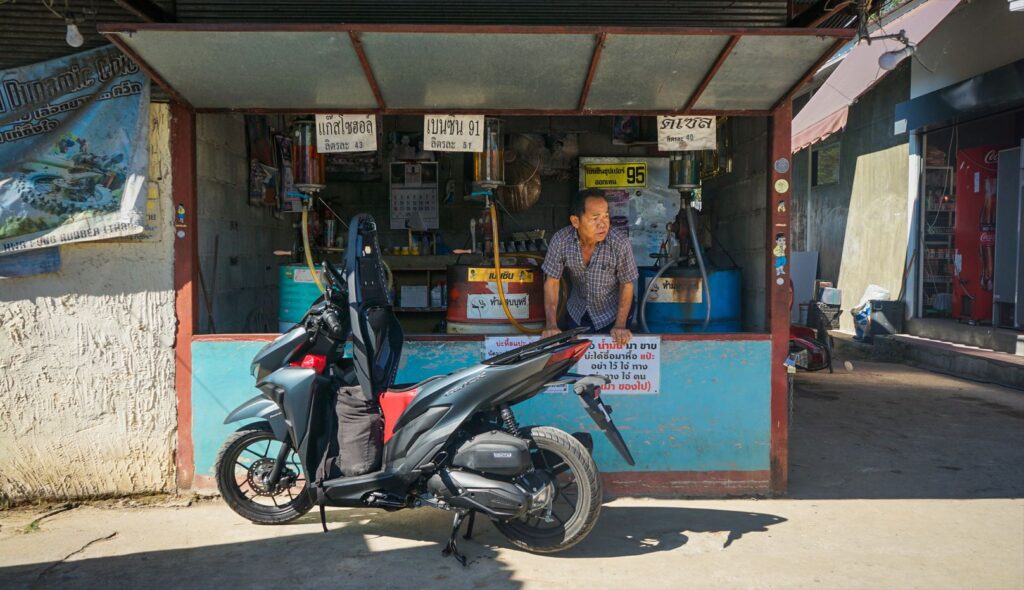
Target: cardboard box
{"type": "Point", "coordinates": [831, 296]}
{"type": "Point", "coordinates": [414, 296]}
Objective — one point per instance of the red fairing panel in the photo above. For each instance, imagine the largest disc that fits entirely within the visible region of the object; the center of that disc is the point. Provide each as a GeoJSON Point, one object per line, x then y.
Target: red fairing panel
{"type": "Point", "coordinates": [393, 403]}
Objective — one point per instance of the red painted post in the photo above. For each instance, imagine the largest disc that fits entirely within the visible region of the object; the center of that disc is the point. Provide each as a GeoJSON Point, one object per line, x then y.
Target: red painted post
{"type": "Point", "coordinates": [779, 291]}
{"type": "Point", "coordinates": [183, 183]}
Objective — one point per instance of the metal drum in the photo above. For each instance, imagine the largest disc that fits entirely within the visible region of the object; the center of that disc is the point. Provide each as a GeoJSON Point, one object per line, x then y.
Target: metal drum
{"type": "Point", "coordinates": [677, 303]}
{"type": "Point", "coordinates": [297, 293]}
{"type": "Point", "coordinates": [474, 306]}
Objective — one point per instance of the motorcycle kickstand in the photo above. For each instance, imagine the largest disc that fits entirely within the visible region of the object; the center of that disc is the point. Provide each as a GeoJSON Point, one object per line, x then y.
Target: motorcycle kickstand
{"type": "Point", "coordinates": [469, 526]}
{"type": "Point", "coordinates": [452, 547]}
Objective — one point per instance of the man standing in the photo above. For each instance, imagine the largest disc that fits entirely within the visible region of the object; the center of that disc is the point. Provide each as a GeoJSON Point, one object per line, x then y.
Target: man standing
{"type": "Point", "coordinates": [601, 270]}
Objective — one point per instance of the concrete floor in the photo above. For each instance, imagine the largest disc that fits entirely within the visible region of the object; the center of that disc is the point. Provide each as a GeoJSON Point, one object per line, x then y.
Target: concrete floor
{"type": "Point", "coordinates": [900, 479]}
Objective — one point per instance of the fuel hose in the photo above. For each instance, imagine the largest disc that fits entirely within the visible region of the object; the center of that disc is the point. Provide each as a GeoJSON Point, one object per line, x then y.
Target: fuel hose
{"type": "Point", "coordinates": [699, 255]}
{"type": "Point", "coordinates": [305, 247]}
{"type": "Point", "coordinates": [497, 271]}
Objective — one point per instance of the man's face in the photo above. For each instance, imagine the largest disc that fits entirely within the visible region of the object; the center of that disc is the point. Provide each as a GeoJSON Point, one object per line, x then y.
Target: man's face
{"type": "Point", "coordinates": [593, 226]}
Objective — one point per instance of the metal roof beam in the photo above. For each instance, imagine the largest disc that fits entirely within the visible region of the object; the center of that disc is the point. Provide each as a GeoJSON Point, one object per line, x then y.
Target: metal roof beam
{"type": "Point", "coordinates": [371, 79]}
{"type": "Point", "coordinates": [810, 73]}
{"type": "Point", "coordinates": [711, 72]}
{"type": "Point", "coordinates": [146, 10]}
{"type": "Point", "coordinates": [598, 47]}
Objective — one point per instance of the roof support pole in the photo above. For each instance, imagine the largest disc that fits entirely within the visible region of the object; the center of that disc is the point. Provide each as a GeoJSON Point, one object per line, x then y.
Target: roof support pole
{"type": "Point", "coordinates": [780, 293]}
{"type": "Point", "coordinates": [186, 304]}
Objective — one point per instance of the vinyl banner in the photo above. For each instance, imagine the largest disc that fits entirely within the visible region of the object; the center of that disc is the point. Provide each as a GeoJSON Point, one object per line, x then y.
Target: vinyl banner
{"type": "Point", "coordinates": [73, 150]}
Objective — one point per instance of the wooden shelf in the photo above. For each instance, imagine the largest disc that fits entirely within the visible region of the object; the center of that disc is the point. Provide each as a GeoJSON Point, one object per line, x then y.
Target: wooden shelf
{"type": "Point", "coordinates": [420, 309]}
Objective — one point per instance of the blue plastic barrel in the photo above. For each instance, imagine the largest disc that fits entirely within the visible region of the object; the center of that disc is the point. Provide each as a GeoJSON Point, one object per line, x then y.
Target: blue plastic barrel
{"type": "Point", "coordinates": [678, 303]}
{"type": "Point", "coordinates": [297, 293]}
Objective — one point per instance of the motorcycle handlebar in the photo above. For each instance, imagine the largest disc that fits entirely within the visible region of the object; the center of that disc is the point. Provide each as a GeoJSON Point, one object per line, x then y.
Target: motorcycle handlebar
{"type": "Point", "coordinates": [333, 325]}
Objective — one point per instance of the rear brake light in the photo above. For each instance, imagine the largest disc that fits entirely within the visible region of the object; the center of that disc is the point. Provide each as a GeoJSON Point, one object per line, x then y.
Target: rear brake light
{"type": "Point", "coordinates": [317, 362]}
{"type": "Point", "coordinates": [575, 353]}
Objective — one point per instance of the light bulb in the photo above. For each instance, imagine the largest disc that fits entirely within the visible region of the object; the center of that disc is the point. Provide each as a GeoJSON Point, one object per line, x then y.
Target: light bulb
{"type": "Point", "coordinates": [890, 59]}
{"type": "Point", "coordinates": [74, 37]}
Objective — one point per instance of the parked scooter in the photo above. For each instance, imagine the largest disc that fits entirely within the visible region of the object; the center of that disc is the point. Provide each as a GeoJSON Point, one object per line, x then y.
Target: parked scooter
{"type": "Point", "coordinates": [449, 442]}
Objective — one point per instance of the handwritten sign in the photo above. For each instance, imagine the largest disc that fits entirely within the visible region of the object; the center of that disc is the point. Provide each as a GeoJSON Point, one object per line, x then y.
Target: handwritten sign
{"type": "Point", "coordinates": [634, 368]}
{"type": "Point", "coordinates": [616, 175]}
{"type": "Point", "coordinates": [683, 134]}
{"type": "Point", "coordinates": [346, 133]}
{"type": "Point", "coordinates": [675, 290]}
{"type": "Point", "coordinates": [488, 306]}
{"type": "Point", "coordinates": [453, 133]}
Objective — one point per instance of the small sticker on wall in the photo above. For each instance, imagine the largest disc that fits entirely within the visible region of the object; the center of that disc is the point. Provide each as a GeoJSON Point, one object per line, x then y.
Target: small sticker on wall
{"type": "Point", "coordinates": [781, 186]}
{"type": "Point", "coordinates": [779, 251]}
{"type": "Point", "coordinates": [780, 281]}
{"type": "Point", "coordinates": [180, 233]}
{"type": "Point", "coordinates": [781, 207]}
{"type": "Point", "coordinates": [782, 165]}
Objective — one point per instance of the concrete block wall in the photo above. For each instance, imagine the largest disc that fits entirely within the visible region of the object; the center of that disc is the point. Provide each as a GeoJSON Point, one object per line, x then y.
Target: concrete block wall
{"type": "Point", "coordinates": [737, 202]}
{"type": "Point", "coordinates": [244, 290]}
{"type": "Point", "coordinates": [87, 399]}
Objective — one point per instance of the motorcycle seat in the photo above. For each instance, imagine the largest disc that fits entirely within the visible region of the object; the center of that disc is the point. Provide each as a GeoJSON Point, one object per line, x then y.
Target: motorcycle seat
{"type": "Point", "coordinates": [406, 387]}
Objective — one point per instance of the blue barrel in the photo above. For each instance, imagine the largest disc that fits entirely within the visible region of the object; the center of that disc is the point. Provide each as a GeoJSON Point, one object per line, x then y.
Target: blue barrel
{"type": "Point", "coordinates": [678, 302]}
{"type": "Point", "coordinates": [297, 293]}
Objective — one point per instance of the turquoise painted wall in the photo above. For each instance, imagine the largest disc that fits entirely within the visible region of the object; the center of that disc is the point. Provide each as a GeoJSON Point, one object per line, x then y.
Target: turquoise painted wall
{"type": "Point", "coordinates": [713, 412]}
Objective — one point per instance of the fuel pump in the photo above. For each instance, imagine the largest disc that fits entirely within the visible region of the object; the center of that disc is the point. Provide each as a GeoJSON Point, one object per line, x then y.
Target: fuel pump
{"type": "Point", "coordinates": [310, 178]}
{"type": "Point", "coordinates": [684, 176]}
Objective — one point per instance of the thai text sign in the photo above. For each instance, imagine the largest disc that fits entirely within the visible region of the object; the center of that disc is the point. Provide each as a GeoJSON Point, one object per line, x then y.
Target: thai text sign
{"type": "Point", "coordinates": [683, 134]}
{"type": "Point", "coordinates": [453, 133]}
{"type": "Point", "coordinates": [346, 133]}
{"type": "Point", "coordinates": [615, 175]}
{"type": "Point", "coordinates": [73, 150]}
{"type": "Point", "coordinates": [634, 368]}
{"type": "Point", "coordinates": [508, 275]}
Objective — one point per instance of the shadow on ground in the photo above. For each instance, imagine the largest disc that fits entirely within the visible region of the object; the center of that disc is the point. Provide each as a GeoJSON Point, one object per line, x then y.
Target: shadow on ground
{"type": "Point", "coordinates": [890, 431]}
{"type": "Point", "coordinates": [409, 557]}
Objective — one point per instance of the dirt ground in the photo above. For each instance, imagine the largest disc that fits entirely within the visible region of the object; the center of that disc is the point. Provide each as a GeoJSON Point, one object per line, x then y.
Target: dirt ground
{"type": "Point", "coordinates": [899, 479]}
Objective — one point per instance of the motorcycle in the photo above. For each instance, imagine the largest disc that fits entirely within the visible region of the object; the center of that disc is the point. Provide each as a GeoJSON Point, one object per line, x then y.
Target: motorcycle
{"type": "Point", "coordinates": [449, 442]}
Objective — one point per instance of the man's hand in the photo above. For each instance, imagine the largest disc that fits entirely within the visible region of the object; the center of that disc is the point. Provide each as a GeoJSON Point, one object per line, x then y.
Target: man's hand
{"type": "Point", "coordinates": [550, 331]}
{"type": "Point", "coordinates": [621, 336]}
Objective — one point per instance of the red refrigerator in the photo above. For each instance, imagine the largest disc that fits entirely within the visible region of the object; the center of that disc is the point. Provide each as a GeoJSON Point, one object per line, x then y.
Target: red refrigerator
{"type": "Point", "coordinates": [974, 234]}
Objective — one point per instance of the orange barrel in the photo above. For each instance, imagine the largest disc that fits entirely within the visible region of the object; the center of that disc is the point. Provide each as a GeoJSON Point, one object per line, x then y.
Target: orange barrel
{"type": "Point", "coordinates": [474, 306]}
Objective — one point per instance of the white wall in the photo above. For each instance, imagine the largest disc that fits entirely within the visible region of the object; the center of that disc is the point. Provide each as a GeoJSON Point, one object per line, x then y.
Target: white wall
{"type": "Point", "coordinates": [87, 401]}
{"type": "Point", "coordinates": [978, 36]}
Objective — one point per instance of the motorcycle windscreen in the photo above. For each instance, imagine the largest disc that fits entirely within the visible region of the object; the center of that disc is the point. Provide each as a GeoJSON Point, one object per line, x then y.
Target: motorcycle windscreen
{"type": "Point", "coordinates": [601, 415]}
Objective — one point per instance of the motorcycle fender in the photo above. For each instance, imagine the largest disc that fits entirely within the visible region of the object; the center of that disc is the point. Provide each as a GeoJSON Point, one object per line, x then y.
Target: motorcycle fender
{"type": "Point", "coordinates": [588, 389]}
{"type": "Point", "coordinates": [263, 408]}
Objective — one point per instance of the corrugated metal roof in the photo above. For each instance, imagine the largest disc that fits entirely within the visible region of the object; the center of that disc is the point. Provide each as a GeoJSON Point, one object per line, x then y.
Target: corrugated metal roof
{"type": "Point", "coordinates": [697, 13]}
{"type": "Point", "coordinates": [29, 33]}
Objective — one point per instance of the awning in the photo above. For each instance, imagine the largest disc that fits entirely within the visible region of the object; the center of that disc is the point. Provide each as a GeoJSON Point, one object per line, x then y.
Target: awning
{"type": "Point", "coordinates": [826, 112]}
{"type": "Point", "coordinates": [542, 70]}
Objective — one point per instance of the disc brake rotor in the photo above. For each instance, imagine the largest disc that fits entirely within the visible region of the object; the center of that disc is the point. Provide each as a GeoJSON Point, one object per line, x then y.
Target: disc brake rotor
{"type": "Point", "coordinates": [258, 473]}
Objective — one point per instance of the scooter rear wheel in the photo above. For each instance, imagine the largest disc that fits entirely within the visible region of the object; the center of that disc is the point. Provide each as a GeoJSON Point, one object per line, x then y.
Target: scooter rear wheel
{"type": "Point", "coordinates": [244, 459]}
{"type": "Point", "coordinates": [577, 501]}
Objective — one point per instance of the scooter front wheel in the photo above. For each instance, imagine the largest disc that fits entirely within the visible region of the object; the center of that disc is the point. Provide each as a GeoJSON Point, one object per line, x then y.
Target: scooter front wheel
{"type": "Point", "coordinates": [243, 463]}
{"type": "Point", "coordinates": [576, 504]}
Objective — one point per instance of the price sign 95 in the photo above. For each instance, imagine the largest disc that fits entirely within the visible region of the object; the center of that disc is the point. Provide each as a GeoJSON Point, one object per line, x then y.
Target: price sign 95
{"type": "Point", "coordinates": [617, 175]}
